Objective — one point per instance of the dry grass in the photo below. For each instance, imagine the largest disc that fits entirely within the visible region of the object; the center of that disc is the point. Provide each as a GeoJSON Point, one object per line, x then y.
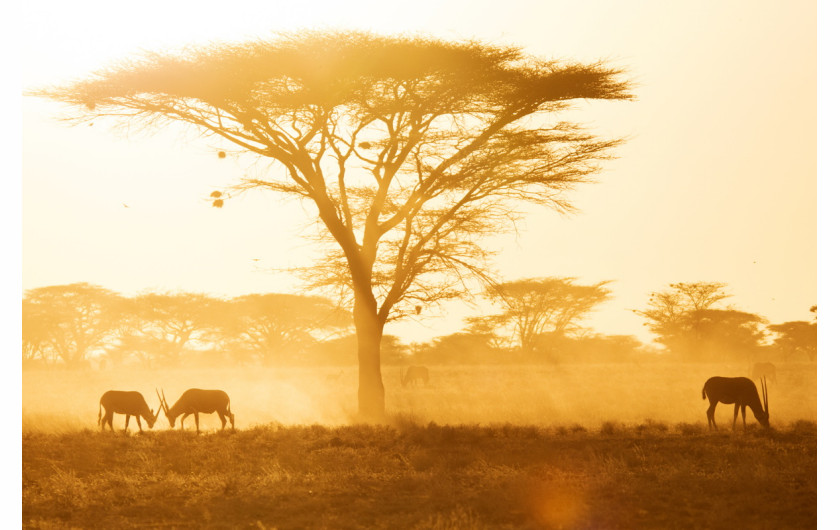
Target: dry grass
{"type": "Point", "coordinates": [407, 475]}
{"type": "Point", "coordinates": [481, 447]}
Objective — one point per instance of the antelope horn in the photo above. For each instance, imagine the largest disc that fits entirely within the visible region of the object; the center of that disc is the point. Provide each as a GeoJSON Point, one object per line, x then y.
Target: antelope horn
{"type": "Point", "coordinates": [766, 403]}
{"type": "Point", "coordinates": [763, 393]}
{"type": "Point", "coordinates": [162, 401]}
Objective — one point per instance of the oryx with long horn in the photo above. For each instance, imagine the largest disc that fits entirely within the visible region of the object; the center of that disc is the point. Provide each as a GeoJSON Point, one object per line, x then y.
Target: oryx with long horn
{"type": "Point", "coordinates": [742, 392]}
{"type": "Point", "coordinates": [195, 401]}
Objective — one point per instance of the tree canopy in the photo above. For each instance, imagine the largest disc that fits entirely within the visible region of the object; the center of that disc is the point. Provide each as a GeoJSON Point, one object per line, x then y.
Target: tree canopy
{"type": "Point", "coordinates": [68, 322]}
{"type": "Point", "coordinates": [410, 148]}
{"type": "Point", "coordinates": [74, 325]}
{"type": "Point", "coordinates": [796, 338]}
{"type": "Point", "coordinates": [685, 320]}
{"type": "Point", "coordinates": [532, 306]}
{"type": "Point", "coordinates": [275, 325]}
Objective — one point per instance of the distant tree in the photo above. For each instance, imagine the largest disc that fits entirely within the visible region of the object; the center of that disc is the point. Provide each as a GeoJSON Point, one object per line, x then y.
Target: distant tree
{"type": "Point", "coordinates": [726, 335]}
{"type": "Point", "coordinates": [535, 305]}
{"type": "Point", "coordinates": [796, 338]}
{"type": "Point", "coordinates": [673, 315]}
{"type": "Point", "coordinates": [272, 326]}
{"type": "Point", "coordinates": [590, 348]}
{"type": "Point", "coordinates": [338, 351]}
{"type": "Point", "coordinates": [136, 347]}
{"type": "Point", "coordinates": [394, 350]}
{"type": "Point", "coordinates": [410, 149]}
{"type": "Point", "coordinates": [484, 328]}
{"type": "Point", "coordinates": [72, 321]}
{"type": "Point", "coordinates": [463, 347]}
{"type": "Point", "coordinates": [34, 333]}
{"type": "Point", "coordinates": [165, 325]}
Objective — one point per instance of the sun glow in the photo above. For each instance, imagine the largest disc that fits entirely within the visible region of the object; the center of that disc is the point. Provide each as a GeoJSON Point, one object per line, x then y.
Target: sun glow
{"type": "Point", "coordinates": [715, 182]}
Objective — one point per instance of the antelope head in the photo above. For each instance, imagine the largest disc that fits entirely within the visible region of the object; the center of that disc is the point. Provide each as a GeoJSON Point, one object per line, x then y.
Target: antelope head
{"type": "Point", "coordinates": [154, 416]}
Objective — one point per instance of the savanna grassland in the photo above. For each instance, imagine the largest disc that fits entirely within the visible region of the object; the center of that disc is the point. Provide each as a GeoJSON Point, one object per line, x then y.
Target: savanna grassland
{"type": "Point", "coordinates": [621, 446]}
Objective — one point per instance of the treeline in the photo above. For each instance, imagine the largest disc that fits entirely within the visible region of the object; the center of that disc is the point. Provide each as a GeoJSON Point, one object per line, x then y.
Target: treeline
{"type": "Point", "coordinates": [538, 321]}
{"type": "Point", "coordinates": [81, 324]}
{"type": "Point", "coordinates": [688, 320]}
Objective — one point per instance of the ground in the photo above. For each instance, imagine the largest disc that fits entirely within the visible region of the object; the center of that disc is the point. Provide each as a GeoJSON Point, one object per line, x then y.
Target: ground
{"type": "Point", "coordinates": [566, 446]}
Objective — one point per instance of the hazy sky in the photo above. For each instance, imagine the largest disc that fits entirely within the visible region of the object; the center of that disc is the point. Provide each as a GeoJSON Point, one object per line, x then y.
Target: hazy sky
{"type": "Point", "coordinates": [716, 182]}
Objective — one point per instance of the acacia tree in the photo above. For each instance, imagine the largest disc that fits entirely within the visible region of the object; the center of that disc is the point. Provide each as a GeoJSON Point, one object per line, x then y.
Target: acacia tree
{"type": "Point", "coordinates": [75, 319]}
{"type": "Point", "coordinates": [410, 149]}
{"type": "Point", "coordinates": [165, 323]}
{"type": "Point", "coordinates": [534, 305]}
{"type": "Point", "coordinates": [796, 337]}
{"type": "Point", "coordinates": [35, 323]}
{"type": "Point", "coordinates": [726, 334]}
{"type": "Point", "coordinates": [674, 314]}
{"type": "Point", "coordinates": [270, 324]}
{"type": "Point", "coordinates": [687, 323]}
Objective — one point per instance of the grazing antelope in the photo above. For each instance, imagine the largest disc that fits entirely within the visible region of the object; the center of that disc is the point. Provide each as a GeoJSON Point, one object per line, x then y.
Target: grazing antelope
{"type": "Point", "coordinates": [742, 392]}
{"type": "Point", "coordinates": [128, 403]}
{"type": "Point", "coordinates": [196, 400]}
{"type": "Point", "coordinates": [414, 375]}
{"type": "Point", "coordinates": [767, 370]}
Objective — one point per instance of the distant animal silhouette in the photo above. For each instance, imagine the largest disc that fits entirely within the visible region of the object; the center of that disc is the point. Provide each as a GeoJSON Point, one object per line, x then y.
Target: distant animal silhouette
{"type": "Point", "coordinates": [196, 400]}
{"type": "Point", "coordinates": [129, 403]}
{"type": "Point", "coordinates": [333, 378]}
{"type": "Point", "coordinates": [767, 370]}
{"type": "Point", "coordinates": [742, 392]}
{"type": "Point", "coordinates": [414, 375]}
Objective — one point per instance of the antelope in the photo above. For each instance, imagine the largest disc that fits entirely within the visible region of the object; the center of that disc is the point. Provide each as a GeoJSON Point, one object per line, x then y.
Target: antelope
{"type": "Point", "coordinates": [767, 370]}
{"type": "Point", "coordinates": [196, 400]}
{"type": "Point", "coordinates": [414, 374]}
{"type": "Point", "coordinates": [128, 403]}
{"type": "Point", "coordinates": [742, 392]}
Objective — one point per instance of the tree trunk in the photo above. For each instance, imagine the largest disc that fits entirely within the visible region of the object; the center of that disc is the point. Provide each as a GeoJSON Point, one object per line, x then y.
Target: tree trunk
{"type": "Point", "coordinates": [369, 340]}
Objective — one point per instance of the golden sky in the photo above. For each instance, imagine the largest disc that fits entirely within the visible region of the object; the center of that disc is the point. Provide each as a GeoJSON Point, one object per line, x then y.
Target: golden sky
{"type": "Point", "coordinates": [717, 180]}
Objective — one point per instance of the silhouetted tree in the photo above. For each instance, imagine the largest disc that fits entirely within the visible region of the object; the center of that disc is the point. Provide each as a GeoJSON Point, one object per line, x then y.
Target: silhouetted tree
{"type": "Point", "coordinates": [726, 335]}
{"type": "Point", "coordinates": [274, 325]}
{"type": "Point", "coordinates": [674, 314]}
{"type": "Point", "coordinates": [410, 149]}
{"type": "Point", "coordinates": [339, 351]}
{"type": "Point", "coordinates": [460, 348]}
{"type": "Point", "coordinates": [140, 348]}
{"type": "Point", "coordinates": [535, 305]}
{"type": "Point", "coordinates": [394, 350]}
{"type": "Point", "coordinates": [163, 325]}
{"type": "Point", "coordinates": [73, 320]}
{"type": "Point", "coordinates": [34, 333]}
{"type": "Point", "coordinates": [796, 337]}
{"type": "Point", "coordinates": [590, 348]}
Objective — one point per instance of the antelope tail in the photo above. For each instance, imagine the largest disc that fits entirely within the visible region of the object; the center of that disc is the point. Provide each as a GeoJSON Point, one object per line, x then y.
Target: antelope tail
{"type": "Point", "coordinates": [99, 419]}
{"type": "Point", "coordinates": [704, 391]}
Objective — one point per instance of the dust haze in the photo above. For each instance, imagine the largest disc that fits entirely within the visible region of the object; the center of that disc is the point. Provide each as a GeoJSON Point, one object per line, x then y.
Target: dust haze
{"type": "Point", "coordinates": [585, 395]}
